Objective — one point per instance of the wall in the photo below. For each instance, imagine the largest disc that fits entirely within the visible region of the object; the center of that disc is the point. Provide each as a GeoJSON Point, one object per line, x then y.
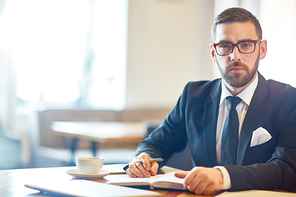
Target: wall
{"type": "Point", "coordinates": [168, 45]}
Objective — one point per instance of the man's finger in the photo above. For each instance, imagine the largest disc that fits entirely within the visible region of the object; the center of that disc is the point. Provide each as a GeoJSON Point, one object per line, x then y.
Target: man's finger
{"type": "Point", "coordinates": [145, 160]}
{"type": "Point", "coordinates": [209, 189]}
{"type": "Point", "coordinates": [130, 173]}
{"type": "Point", "coordinates": [181, 175]}
{"type": "Point", "coordinates": [197, 187]}
{"type": "Point", "coordinates": [135, 170]}
{"type": "Point", "coordinates": [154, 168]}
{"type": "Point", "coordinates": [143, 170]}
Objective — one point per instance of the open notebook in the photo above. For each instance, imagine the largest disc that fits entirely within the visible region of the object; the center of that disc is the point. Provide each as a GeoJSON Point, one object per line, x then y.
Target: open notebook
{"type": "Point", "coordinates": [87, 188]}
{"type": "Point", "coordinates": [164, 181]}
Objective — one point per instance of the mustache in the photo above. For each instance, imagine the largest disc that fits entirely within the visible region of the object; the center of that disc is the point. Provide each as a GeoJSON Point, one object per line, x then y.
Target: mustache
{"type": "Point", "coordinates": [236, 63]}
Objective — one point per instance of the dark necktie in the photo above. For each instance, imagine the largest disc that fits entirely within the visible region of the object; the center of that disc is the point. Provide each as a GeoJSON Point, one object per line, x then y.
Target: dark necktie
{"type": "Point", "coordinates": [230, 134]}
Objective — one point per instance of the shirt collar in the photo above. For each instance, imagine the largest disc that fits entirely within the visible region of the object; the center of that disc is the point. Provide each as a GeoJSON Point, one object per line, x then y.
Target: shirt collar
{"type": "Point", "coordinates": [246, 95]}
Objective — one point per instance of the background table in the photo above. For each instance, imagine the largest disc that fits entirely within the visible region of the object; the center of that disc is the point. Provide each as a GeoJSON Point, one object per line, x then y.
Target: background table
{"type": "Point", "coordinates": [100, 132]}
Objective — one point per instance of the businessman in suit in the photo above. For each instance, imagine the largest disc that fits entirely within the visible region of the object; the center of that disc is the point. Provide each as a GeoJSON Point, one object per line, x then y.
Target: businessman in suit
{"type": "Point", "coordinates": [250, 147]}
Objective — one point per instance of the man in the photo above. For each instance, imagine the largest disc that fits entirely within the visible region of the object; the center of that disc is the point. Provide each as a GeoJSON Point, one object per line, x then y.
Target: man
{"type": "Point", "coordinates": [262, 151]}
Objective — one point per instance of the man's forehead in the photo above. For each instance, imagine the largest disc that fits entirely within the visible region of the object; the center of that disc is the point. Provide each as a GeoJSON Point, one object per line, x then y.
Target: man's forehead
{"type": "Point", "coordinates": [236, 30]}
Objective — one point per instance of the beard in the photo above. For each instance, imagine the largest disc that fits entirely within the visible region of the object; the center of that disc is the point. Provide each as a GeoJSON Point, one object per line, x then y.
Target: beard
{"type": "Point", "coordinates": [238, 80]}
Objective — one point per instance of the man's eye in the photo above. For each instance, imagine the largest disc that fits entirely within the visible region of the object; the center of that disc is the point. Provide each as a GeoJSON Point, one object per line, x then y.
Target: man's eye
{"type": "Point", "coordinates": [224, 46]}
{"type": "Point", "coordinates": [246, 44]}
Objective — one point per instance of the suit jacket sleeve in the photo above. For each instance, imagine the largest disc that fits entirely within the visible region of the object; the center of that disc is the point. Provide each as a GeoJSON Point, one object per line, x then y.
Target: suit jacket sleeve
{"type": "Point", "coordinates": [169, 137]}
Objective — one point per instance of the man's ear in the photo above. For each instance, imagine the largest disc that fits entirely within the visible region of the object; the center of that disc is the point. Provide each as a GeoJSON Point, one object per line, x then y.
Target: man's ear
{"type": "Point", "coordinates": [212, 51]}
{"type": "Point", "coordinates": [263, 49]}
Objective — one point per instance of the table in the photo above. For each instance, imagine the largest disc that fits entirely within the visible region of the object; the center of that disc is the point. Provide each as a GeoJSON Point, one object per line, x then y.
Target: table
{"type": "Point", "coordinates": [100, 132]}
{"type": "Point", "coordinates": [12, 181]}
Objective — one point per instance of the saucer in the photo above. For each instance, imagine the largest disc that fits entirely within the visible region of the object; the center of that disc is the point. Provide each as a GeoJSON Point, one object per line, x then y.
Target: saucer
{"type": "Point", "coordinates": [76, 173]}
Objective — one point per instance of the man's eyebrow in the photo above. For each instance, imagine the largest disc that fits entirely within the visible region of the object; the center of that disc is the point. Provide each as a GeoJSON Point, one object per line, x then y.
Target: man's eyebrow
{"type": "Point", "coordinates": [246, 40]}
{"type": "Point", "coordinates": [224, 41]}
{"type": "Point", "coordinates": [229, 42]}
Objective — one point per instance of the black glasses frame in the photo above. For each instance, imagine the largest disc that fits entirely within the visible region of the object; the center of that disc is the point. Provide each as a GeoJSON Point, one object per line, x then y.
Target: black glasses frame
{"type": "Point", "coordinates": [236, 45]}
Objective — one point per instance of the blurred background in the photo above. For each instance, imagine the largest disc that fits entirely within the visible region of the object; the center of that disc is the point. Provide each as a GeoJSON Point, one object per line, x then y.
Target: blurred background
{"type": "Point", "coordinates": [80, 58]}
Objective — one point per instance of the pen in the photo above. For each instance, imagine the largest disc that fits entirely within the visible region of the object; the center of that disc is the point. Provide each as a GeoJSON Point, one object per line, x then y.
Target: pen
{"type": "Point", "coordinates": [151, 160]}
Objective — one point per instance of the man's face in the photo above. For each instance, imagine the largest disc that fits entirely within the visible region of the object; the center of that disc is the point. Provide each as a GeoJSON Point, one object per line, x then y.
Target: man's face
{"type": "Point", "coordinates": [238, 69]}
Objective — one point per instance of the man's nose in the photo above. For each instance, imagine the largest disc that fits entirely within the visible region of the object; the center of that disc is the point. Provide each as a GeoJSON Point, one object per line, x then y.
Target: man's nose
{"type": "Point", "coordinates": [235, 54]}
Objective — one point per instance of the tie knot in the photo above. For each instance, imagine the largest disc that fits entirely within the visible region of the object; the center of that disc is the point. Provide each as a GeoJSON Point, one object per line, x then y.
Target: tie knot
{"type": "Point", "coordinates": [233, 101]}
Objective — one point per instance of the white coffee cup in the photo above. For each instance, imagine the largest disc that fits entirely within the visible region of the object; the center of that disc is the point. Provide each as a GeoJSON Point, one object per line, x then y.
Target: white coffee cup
{"type": "Point", "coordinates": [89, 165]}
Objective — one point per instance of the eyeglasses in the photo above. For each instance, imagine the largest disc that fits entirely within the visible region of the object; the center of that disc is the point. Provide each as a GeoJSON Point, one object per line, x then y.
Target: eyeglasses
{"type": "Point", "coordinates": [244, 47]}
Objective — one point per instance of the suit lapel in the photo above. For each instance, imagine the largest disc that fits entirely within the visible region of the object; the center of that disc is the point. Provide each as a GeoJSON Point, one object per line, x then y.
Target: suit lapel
{"type": "Point", "coordinates": [252, 118]}
{"type": "Point", "coordinates": [210, 124]}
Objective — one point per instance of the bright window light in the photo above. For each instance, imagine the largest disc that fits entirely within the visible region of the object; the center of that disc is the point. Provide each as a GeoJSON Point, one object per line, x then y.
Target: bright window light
{"type": "Point", "coordinates": [278, 22]}
{"type": "Point", "coordinates": [68, 52]}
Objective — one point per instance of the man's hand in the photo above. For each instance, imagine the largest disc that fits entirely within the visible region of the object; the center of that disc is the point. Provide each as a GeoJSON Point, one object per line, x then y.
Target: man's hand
{"type": "Point", "coordinates": [143, 169]}
{"type": "Point", "coordinates": [201, 180]}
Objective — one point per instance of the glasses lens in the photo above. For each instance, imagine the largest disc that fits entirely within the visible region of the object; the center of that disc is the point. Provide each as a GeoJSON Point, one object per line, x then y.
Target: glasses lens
{"type": "Point", "coordinates": [246, 47]}
{"type": "Point", "coordinates": [223, 49]}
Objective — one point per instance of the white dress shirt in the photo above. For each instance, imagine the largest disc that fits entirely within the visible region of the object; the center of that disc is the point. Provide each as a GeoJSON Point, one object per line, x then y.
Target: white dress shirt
{"type": "Point", "coordinates": [246, 95]}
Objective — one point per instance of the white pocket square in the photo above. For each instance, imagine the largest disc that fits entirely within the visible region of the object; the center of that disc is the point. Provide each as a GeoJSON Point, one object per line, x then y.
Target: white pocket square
{"type": "Point", "coordinates": [260, 136]}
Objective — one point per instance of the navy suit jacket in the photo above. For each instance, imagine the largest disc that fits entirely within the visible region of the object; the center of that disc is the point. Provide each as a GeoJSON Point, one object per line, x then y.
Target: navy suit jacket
{"type": "Point", "coordinates": [271, 165]}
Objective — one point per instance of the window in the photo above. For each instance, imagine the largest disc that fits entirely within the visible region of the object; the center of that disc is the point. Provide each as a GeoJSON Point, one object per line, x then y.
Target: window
{"type": "Point", "coordinates": [68, 53]}
{"type": "Point", "coordinates": [278, 20]}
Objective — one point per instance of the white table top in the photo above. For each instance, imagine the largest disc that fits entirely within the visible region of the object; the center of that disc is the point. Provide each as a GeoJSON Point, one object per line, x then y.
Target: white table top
{"type": "Point", "coordinates": [103, 131]}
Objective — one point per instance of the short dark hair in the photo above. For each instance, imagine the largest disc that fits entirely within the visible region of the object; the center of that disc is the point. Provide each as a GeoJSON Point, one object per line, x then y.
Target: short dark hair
{"type": "Point", "coordinates": [232, 15]}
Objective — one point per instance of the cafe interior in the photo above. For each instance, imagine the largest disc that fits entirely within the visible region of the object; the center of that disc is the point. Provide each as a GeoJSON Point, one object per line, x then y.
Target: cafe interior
{"type": "Point", "coordinates": [111, 63]}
